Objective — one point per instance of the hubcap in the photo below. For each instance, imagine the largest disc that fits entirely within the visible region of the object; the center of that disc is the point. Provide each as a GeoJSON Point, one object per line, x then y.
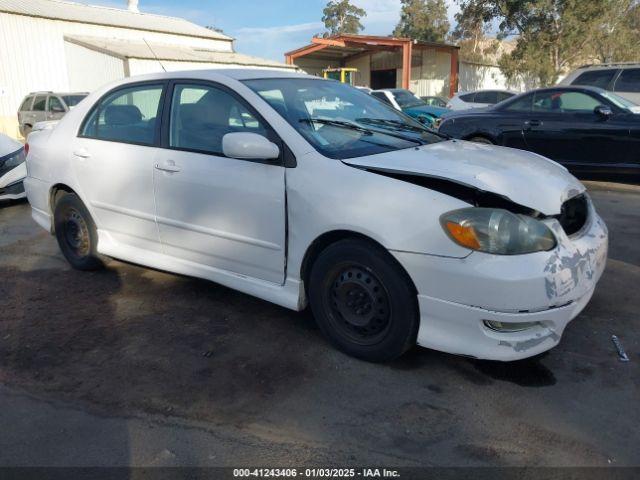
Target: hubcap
{"type": "Point", "coordinates": [76, 233]}
{"type": "Point", "coordinates": [359, 304]}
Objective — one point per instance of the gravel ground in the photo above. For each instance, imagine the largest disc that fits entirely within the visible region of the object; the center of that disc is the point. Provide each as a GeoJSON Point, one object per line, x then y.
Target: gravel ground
{"type": "Point", "coordinates": [134, 366]}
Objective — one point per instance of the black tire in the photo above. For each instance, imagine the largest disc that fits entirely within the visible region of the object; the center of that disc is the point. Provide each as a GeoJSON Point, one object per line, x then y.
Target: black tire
{"type": "Point", "coordinates": [76, 233]}
{"type": "Point", "coordinates": [363, 301]}
{"type": "Point", "coordinates": [483, 140]}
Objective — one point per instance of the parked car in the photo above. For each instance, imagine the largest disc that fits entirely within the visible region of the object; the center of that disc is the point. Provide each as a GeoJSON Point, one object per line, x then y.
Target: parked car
{"type": "Point", "coordinates": [12, 169]}
{"type": "Point", "coordinates": [45, 106]}
{"type": "Point", "coordinates": [407, 102]}
{"type": "Point", "coordinates": [583, 128]}
{"type": "Point", "coordinates": [435, 101]}
{"type": "Point", "coordinates": [478, 99]}
{"type": "Point", "coordinates": [300, 190]}
{"type": "Point", "coordinates": [621, 78]}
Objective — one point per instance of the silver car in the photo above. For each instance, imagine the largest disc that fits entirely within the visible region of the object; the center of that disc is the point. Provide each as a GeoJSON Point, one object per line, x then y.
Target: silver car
{"type": "Point", "coordinates": [621, 78]}
{"type": "Point", "coordinates": [45, 106]}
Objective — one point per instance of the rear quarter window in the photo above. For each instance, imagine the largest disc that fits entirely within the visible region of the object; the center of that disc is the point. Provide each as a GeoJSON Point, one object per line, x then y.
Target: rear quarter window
{"type": "Point", "coordinates": [26, 104]}
{"type": "Point", "coordinates": [468, 97]}
{"type": "Point", "coordinates": [40, 103]}
{"type": "Point", "coordinates": [628, 81]}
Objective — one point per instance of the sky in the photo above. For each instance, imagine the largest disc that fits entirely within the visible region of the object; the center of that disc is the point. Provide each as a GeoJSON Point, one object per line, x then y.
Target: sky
{"type": "Point", "coordinates": [269, 28]}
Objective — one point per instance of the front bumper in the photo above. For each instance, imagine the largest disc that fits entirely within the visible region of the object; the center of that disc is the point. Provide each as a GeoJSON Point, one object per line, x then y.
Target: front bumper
{"type": "Point", "coordinates": [457, 296]}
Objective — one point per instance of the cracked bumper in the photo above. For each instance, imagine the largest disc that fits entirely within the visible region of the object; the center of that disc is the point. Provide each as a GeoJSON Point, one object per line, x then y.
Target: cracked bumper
{"type": "Point", "coordinates": [456, 296]}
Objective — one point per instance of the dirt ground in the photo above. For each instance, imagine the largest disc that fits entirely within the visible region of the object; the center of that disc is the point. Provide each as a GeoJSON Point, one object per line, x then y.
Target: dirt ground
{"type": "Point", "coordinates": [175, 354]}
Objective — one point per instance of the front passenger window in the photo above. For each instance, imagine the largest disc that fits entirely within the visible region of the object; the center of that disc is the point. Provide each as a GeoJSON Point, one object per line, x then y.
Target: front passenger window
{"type": "Point", "coordinates": [202, 115]}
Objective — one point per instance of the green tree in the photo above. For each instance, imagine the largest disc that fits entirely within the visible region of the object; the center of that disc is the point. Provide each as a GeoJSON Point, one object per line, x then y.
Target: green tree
{"type": "Point", "coordinates": [470, 34]}
{"type": "Point", "coordinates": [553, 36]}
{"type": "Point", "coordinates": [424, 20]}
{"type": "Point", "coordinates": [340, 16]}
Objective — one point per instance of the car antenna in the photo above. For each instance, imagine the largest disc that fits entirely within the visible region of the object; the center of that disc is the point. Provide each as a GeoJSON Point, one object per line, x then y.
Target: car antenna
{"type": "Point", "coordinates": [154, 53]}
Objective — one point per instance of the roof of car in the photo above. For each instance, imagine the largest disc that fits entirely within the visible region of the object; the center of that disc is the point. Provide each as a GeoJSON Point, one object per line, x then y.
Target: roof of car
{"type": "Point", "coordinates": [609, 65]}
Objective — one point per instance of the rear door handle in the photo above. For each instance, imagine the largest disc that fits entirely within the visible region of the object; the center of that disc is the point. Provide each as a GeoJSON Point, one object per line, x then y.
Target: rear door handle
{"type": "Point", "coordinates": [82, 153]}
{"type": "Point", "coordinates": [169, 166]}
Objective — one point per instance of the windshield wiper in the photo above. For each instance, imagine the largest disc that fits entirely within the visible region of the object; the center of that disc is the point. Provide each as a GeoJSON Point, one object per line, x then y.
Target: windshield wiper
{"type": "Point", "coordinates": [400, 125]}
{"type": "Point", "coordinates": [338, 123]}
{"type": "Point", "coordinates": [355, 126]}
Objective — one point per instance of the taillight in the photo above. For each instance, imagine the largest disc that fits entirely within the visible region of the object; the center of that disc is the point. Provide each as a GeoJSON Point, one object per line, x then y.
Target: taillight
{"type": "Point", "coordinates": [26, 149]}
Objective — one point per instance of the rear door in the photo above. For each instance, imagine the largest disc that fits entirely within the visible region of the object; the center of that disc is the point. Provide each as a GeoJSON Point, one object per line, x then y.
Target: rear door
{"type": "Point", "coordinates": [214, 211]}
{"type": "Point", "coordinates": [39, 110]}
{"type": "Point", "coordinates": [113, 158]}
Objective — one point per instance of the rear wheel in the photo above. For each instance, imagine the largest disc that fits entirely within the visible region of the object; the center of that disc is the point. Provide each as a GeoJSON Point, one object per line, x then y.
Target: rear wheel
{"type": "Point", "coordinates": [484, 140]}
{"type": "Point", "coordinates": [363, 301]}
{"type": "Point", "coordinates": [76, 233]}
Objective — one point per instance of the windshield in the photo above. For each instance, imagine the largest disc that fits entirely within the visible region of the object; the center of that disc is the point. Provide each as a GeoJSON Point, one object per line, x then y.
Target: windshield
{"type": "Point", "coordinates": [73, 100]}
{"type": "Point", "coordinates": [406, 99]}
{"type": "Point", "coordinates": [618, 101]}
{"type": "Point", "coordinates": [341, 121]}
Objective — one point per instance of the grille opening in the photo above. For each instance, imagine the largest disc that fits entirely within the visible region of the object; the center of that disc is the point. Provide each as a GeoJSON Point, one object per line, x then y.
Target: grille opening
{"type": "Point", "coordinates": [574, 214]}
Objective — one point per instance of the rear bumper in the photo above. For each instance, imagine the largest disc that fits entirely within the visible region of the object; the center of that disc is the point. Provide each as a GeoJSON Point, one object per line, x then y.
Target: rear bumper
{"type": "Point", "coordinates": [457, 296]}
{"type": "Point", "coordinates": [38, 194]}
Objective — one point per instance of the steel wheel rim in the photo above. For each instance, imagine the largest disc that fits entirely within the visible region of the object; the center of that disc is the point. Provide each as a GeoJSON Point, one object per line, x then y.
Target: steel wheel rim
{"type": "Point", "coordinates": [76, 233]}
{"type": "Point", "coordinates": [358, 304]}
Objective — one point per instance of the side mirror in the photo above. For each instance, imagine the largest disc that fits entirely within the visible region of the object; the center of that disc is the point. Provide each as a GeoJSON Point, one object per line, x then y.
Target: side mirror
{"type": "Point", "coordinates": [603, 111]}
{"type": "Point", "coordinates": [249, 146]}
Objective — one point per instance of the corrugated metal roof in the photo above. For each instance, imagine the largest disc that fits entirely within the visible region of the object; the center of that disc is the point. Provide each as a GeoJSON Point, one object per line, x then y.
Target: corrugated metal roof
{"type": "Point", "coordinates": [181, 53]}
{"type": "Point", "coordinates": [115, 17]}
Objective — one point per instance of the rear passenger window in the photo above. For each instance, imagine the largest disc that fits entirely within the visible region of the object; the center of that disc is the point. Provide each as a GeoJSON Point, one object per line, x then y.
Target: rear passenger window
{"type": "Point", "coordinates": [128, 115]}
{"type": "Point", "coordinates": [504, 95]}
{"type": "Point", "coordinates": [202, 115]}
{"type": "Point", "coordinates": [467, 97]}
{"type": "Point", "coordinates": [595, 78]}
{"type": "Point", "coordinates": [522, 104]}
{"type": "Point", "coordinates": [628, 81]}
{"type": "Point", "coordinates": [40, 103]}
{"type": "Point", "coordinates": [26, 105]}
{"type": "Point", "coordinates": [486, 97]}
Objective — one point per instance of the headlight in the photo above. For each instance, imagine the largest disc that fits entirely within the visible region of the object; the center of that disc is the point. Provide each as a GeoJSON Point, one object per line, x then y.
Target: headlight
{"type": "Point", "coordinates": [497, 231]}
{"type": "Point", "coordinates": [12, 160]}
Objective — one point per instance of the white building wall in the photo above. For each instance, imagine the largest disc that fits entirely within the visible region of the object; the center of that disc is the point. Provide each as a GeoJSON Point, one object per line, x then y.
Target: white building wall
{"type": "Point", "coordinates": [474, 76]}
{"type": "Point", "coordinates": [88, 69]}
{"type": "Point", "coordinates": [25, 66]}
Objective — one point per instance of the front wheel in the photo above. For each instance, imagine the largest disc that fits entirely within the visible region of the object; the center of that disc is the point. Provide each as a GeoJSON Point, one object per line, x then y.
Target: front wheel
{"type": "Point", "coordinates": [76, 233]}
{"type": "Point", "coordinates": [363, 301]}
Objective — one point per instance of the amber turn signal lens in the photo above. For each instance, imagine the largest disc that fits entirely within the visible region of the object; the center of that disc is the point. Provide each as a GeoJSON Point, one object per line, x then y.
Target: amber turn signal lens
{"type": "Point", "coordinates": [464, 235]}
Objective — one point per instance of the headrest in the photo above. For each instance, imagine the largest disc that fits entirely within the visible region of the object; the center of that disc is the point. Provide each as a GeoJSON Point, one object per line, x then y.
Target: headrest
{"type": "Point", "coordinates": [122, 115]}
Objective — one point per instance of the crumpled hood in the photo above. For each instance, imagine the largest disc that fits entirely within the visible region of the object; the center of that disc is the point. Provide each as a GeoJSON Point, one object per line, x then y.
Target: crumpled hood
{"type": "Point", "coordinates": [523, 177]}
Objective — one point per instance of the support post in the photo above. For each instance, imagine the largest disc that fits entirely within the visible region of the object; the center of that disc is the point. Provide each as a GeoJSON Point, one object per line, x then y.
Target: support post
{"type": "Point", "coordinates": [453, 76]}
{"type": "Point", "coordinates": [407, 48]}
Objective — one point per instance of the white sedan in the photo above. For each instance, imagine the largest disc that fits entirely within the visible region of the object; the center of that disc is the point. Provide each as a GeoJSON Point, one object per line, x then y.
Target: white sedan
{"type": "Point", "coordinates": [303, 191]}
{"type": "Point", "coordinates": [12, 169]}
{"type": "Point", "coordinates": [478, 99]}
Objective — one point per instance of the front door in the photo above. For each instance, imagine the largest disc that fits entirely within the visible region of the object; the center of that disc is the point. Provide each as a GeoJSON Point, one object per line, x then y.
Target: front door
{"type": "Point", "coordinates": [113, 158]}
{"type": "Point", "coordinates": [218, 212]}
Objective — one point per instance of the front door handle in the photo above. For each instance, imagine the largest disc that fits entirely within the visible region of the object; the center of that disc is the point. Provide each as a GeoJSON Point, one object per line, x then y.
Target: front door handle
{"type": "Point", "coordinates": [532, 123]}
{"type": "Point", "coordinates": [82, 153]}
{"type": "Point", "coordinates": [168, 166]}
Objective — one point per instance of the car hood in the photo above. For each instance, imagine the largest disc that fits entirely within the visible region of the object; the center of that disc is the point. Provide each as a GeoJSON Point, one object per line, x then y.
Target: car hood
{"type": "Point", "coordinates": [8, 145]}
{"type": "Point", "coordinates": [525, 178]}
{"type": "Point", "coordinates": [429, 109]}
